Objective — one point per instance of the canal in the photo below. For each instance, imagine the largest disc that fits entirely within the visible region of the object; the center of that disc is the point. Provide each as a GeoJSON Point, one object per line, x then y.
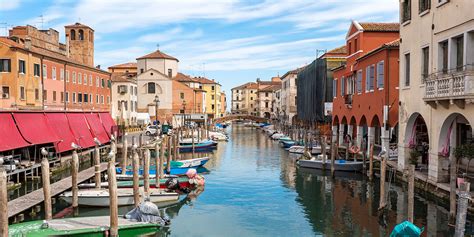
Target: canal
{"type": "Point", "coordinates": [254, 188]}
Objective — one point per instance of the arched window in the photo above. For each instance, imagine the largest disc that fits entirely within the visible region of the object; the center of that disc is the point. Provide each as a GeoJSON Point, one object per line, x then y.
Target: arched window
{"type": "Point", "coordinates": [73, 34]}
{"type": "Point", "coordinates": [151, 88]}
{"type": "Point", "coordinates": [81, 35]}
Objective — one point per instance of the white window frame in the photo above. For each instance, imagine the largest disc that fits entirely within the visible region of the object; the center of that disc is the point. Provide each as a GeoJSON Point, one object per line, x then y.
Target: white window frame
{"type": "Point", "coordinates": [84, 79]}
{"type": "Point", "coordinates": [90, 80]}
{"type": "Point", "coordinates": [79, 78]}
{"type": "Point", "coordinates": [67, 75]}
{"type": "Point", "coordinates": [45, 71]}
{"type": "Point", "coordinates": [73, 77]}
{"type": "Point", "coordinates": [61, 74]}
{"type": "Point", "coordinates": [53, 73]}
{"type": "Point", "coordinates": [74, 97]}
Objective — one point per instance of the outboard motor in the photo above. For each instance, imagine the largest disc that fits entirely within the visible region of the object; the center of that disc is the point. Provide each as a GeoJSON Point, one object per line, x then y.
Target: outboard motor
{"type": "Point", "coordinates": [147, 212]}
{"type": "Point", "coordinates": [172, 183]}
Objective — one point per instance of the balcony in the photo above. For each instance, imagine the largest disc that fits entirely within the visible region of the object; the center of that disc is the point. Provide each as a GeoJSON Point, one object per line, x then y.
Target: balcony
{"type": "Point", "coordinates": [451, 87]}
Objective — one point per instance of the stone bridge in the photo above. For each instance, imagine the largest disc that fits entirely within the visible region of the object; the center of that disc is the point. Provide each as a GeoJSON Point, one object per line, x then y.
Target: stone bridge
{"type": "Point", "coordinates": [240, 117]}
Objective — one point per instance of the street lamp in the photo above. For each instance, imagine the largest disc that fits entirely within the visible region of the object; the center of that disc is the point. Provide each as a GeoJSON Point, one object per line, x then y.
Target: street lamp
{"type": "Point", "coordinates": [157, 104]}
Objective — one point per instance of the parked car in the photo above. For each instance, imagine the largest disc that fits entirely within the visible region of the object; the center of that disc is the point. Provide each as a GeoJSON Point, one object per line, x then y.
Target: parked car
{"type": "Point", "coordinates": [151, 130]}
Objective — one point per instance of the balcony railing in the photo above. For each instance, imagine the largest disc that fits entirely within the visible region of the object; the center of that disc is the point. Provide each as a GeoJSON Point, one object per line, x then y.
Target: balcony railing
{"type": "Point", "coordinates": [454, 84]}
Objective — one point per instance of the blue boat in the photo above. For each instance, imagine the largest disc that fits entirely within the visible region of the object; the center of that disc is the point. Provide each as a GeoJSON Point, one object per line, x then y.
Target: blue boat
{"type": "Point", "coordinates": [203, 142]}
{"type": "Point", "coordinates": [177, 167]}
{"type": "Point", "coordinates": [287, 144]}
{"type": "Point", "coordinates": [200, 147]}
{"type": "Point", "coordinates": [174, 171]}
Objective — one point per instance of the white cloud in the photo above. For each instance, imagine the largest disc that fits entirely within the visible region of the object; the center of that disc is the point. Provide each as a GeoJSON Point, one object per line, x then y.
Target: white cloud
{"type": "Point", "coordinates": [7, 5]}
{"type": "Point", "coordinates": [170, 35]}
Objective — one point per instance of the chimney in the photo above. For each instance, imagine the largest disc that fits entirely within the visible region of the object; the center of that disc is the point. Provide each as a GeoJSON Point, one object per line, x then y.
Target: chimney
{"type": "Point", "coordinates": [98, 66]}
{"type": "Point", "coordinates": [28, 43]}
{"type": "Point", "coordinates": [67, 45]}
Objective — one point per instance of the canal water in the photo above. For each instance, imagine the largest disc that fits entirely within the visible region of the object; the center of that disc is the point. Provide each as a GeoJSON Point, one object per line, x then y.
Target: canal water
{"type": "Point", "coordinates": [254, 188]}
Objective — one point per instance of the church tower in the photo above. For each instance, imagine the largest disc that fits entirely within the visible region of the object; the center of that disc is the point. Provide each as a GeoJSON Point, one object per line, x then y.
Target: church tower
{"type": "Point", "coordinates": [80, 43]}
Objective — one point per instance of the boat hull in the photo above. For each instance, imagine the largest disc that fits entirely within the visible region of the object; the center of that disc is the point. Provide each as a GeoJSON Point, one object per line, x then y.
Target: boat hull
{"type": "Point", "coordinates": [300, 150]}
{"type": "Point", "coordinates": [183, 183]}
{"type": "Point", "coordinates": [339, 165]}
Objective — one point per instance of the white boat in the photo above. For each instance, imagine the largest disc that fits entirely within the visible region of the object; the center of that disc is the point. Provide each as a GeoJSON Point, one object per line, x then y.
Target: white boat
{"type": "Point", "coordinates": [100, 197]}
{"type": "Point", "coordinates": [277, 136]}
{"type": "Point", "coordinates": [217, 136]}
{"type": "Point", "coordinates": [315, 150]}
{"type": "Point", "coordinates": [339, 165]}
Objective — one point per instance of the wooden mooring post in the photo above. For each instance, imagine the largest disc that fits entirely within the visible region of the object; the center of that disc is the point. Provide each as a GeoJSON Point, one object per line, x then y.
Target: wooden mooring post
{"type": "Point", "coordinates": [146, 172]}
{"type": "Point", "coordinates": [371, 162]}
{"type": "Point", "coordinates": [411, 192]}
{"type": "Point", "coordinates": [113, 202]}
{"type": "Point", "coordinates": [3, 203]}
{"type": "Point", "coordinates": [74, 173]}
{"type": "Point", "coordinates": [175, 146]}
{"type": "Point", "coordinates": [158, 168]}
{"type": "Point", "coordinates": [48, 214]}
{"type": "Point", "coordinates": [463, 204]}
{"type": "Point", "coordinates": [124, 155]}
{"type": "Point", "coordinates": [162, 158]}
{"type": "Point", "coordinates": [383, 168]}
{"type": "Point", "coordinates": [135, 161]}
{"type": "Point", "coordinates": [168, 158]}
{"type": "Point", "coordinates": [97, 167]}
{"type": "Point", "coordinates": [452, 189]}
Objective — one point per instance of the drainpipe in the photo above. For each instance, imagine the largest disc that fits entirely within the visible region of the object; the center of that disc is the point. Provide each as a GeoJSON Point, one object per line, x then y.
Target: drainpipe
{"type": "Point", "coordinates": [64, 81]}
{"type": "Point", "coordinates": [42, 82]}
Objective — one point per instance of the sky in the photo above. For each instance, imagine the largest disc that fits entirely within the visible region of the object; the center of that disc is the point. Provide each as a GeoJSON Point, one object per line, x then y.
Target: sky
{"type": "Point", "coordinates": [231, 41]}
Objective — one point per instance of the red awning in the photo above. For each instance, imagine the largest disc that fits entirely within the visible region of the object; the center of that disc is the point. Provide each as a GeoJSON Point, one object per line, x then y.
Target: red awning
{"type": "Point", "coordinates": [10, 137]}
{"type": "Point", "coordinates": [80, 129]}
{"type": "Point", "coordinates": [59, 123]}
{"type": "Point", "coordinates": [96, 127]}
{"type": "Point", "coordinates": [34, 128]}
{"type": "Point", "coordinates": [108, 122]}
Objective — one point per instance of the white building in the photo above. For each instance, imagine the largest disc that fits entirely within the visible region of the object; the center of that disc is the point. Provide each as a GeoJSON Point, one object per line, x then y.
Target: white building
{"type": "Point", "coordinates": [124, 98]}
{"type": "Point", "coordinates": [288, 95]}
{"type": "Point", "coordinates": [436, 82]}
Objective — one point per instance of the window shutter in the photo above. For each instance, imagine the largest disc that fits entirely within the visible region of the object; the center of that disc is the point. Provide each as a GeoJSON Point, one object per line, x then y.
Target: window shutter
{"type": "Point", "coordinates": [380, 75]}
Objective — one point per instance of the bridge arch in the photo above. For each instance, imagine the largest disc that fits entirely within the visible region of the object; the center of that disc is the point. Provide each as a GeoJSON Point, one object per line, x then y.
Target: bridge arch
{"type": "Point", "coordinates": [240, 117]}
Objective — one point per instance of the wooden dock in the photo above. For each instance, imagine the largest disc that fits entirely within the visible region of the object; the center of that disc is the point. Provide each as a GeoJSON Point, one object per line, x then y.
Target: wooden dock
{"type": "Point", "coordinates": [23, 203]}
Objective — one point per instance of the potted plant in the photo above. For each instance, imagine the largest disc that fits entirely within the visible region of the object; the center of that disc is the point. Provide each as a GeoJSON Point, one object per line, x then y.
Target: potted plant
{"type": "Point", "coordinates": [414, 156]}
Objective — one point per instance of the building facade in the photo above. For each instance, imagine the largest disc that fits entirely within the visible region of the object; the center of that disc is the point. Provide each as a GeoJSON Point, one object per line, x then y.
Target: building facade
{"type": "Point", "coordinates": [436, 82]}
{"type": "Point", "coordinates": [288, 96]}
{"type": "Point", "coordinates": [214, 95]}
{"type": "Point", "coordinates": [39, 72]}
{"type": "Point", "coordinates": [124, 98]}
{"type": "Point", "coordinates": [365, 89]}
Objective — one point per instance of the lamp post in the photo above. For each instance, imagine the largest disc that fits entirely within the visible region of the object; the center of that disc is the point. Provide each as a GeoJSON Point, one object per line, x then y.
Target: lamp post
{"type": "Point", "coordinates": [157, 104]}
{"type": "Point", "coordinates": [184, 112]}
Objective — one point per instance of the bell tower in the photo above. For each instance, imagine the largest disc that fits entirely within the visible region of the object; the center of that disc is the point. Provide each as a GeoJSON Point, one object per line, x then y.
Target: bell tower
{"type": "Point", "coordinates": [80, 43]}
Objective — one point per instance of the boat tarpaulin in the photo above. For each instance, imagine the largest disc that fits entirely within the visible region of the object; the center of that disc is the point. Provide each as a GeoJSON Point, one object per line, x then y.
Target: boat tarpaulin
{"type": "Point", "coordinates": [60, 124]}
{"type": "Point", "coordinates": [34, 128]}
{"type": "Point", "coordinates": [107, 122]}
{"type": "Point", "coordinates": [10, 137]}
{"type": "Point", "coordinates": [97, 128]}
{"type": "Point", "coordinates": [81, 130]}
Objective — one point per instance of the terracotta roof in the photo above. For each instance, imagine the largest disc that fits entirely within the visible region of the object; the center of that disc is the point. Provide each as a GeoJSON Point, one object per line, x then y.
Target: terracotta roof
{"type": "Point", "coordinates": [124, 77]}
{"type": "Point", "coordinates": [47, 53]}
{"type": "Point", "coordinates": [380, 27]}
{"type": "Point", "coordinates": [204, 80]}
{"type": "Point", "coordinates": [77, 24]}
{"type": "Point", "coordinates": [125, 65]}
{"type": "Point", "coordinates": [271, 87]}
{"type": "Point", "coordinates": [391, 44]}
{"type": "Point", "coordinates": [158, 55]}
{"type": "Point", "coordinates": [184, 78]}
{"type": "Point", "coordinates": [338, 50]}
{"type": "Point", "coordinates": [295, 71]}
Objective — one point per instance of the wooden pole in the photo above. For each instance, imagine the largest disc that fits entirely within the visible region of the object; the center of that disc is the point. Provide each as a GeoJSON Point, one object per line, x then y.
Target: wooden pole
{"type": "Point", "coordinates": [383, 169]}
{"type": "Point", "coordinates": [146, 172]}
{"type": "Point", "coordinates": [158, 168]}
{"type": "Point", "coordinates": [162, 156]}
{"type": "Point", "coordinates": [322, 142]}
{"type": "Point", "coordinates": [371, 162]}
{"type": "Point", "coordinates": [113, 199]}
{"type": "Point", "coordinates": [175, 147]}
{"type": "Point", "coordinates": [124, 155]}
{"type": "Point", "coordinates": [333, 154]}
{"type": "Point", "coordinates": [192, 139]}
{"type": "Point", "coordinates": [168, 160]}
{"type": "Point", "coordinates": [136, 195]}
{"type": "Point", "coordinates": [411, 192]}
{"type": "Point", "coordinates": [452, 191]}
{"type": "Point", "coordinates": [463, 204]}
{"type": "Point", "coordinates": [75, 171]}
{"type": "Point", "coordinates": [3, 203]}
{"type": "Point", "coordinates": [113, 148]}
{"type": "Point", "coordinates": [48, 214]}
{"type": "Point", "coordinates": [97, 167]}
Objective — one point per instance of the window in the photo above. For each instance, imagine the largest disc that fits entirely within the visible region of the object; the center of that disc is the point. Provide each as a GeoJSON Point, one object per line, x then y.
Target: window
{"type": "Point", "coordinates": [380, 74]}
{"type": "Point", "coordinates": [170, 73]}
{"type": "Point", "coordinates": [61, 74]}
{"type": "Point", "coordinates": [350, 48]}
{"type": "Point", "coordinates": [5, 92]}
{"type": "Point", "coordinates": [73, 34]}
{"type": "Point", "coordinates": [90, 98]}
{"type": "Point", "coordinates": [424, 5]}
{"type": "Point", "coordinates": [102, 99]}
{"type": "Point", "coordinates": [212, 97]}
{"type": "Point", "coordinates": [406, 10]}
{"type": "Point", "coordinates": [90, 80]}
{"type": "Point", "coordinates": [343, 84]}
{"type": "Point", "coordinates": [79, 78]}
{"type": "Point", "coordinates": [36, 70]}
{"type": "Point", "coordinates": [45, 95]}
{"type": "Point", "coordinates": [266, 104]}
{"type": "Point", "coordinates": [37, 94]}
{"type": "Point", "coordinates": [108, 100]}
{"type": "Point", "coordinates": [334, 88]}
{"type": "Point", "coordinates": [141, 70]}
{"type": "Point", "coordinates": [73, 97]}
{"type": "Point", "coordinates": [97, 81]}
{"type": "Point", "coordinates": [443, 47]}
{"type": "Point", "coordinates": [62, 96]}
{"type": "Point", "coordinates": [85, 79]}
{"type": "Point", "coordinates": [125, 105]}
{"type": "Point", "coordinates": [356, 46]}
{"type": "Point", "coordinates": [131, 90]}
{"type": "Point", "coordinates": [45, 71]}
{"type": "Point", "coordinates": [212, 87]}
{"type": "Point", "coordinates": [251, 98]}
{"type": "Point", "coordinates": [53, 73]}
{"type": "Point", "coordinates": [136, 91]}
{"type": "Point", "coordinates": [67, 97]}
{"type": "Point", "coordinates": [21, 66]}
{"type": "Point", "coordinates": [86, 98]}
{"type": "Point", "coordinates": [81, 35]}
{"type": "Point", "coordinates": [266, 94]}
{"type": "Point", "coordinates": [97, 99]}
{"type": "Point", "coordinates": [5, 65]}
{"type": "Point", "coordinates": [370, 78]}
{"type": "Point", "coordinates": [407, 69]}
{"type": "Point", "coordinates": [67, 75]}
{"type": "Point", "coordinates": [103, 83]}
{"type": "Point", "coordinates": [109, 83]}
{"type": "Point", "coordinates": [367, 79]}
{"type": "Point", "coordinates": [54, 96]}
{"type": "Point", "coordinates": [459, 41]}
{"type": "Point", "coordinates": [79, 97]}
{"type": "Point", "coordinates": [74, 77]}
{"type": "Point", "coordinates": [22, 92]}
{"type": "Point", "coordinates": [359, 82]}
{"type": "Point", "coordinates": [151, 88]}
{"type": "Point", "coordinates": [181, 95]}
{"type": "Point", "coordinates": [212, 107]}
{"type": "Point", "coordinates": [350, 85]}
{"type": "Point", "coordinates": [425, 54]}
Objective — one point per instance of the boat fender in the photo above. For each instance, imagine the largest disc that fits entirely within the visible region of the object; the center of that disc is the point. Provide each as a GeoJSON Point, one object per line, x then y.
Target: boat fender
{"type": "Point", "coordinates": [191, 173]}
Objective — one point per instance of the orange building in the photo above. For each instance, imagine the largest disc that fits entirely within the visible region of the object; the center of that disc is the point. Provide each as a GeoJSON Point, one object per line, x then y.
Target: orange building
{"type": "Point", "coordinates": [188, 95]}
{"type": "Point", "coordinates": [365, 89]}
{"type": "Point", "coordinates": [46, 74]}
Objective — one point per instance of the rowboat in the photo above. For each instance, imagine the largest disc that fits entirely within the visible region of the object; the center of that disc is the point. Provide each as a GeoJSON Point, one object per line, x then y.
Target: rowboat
{"type": "Point", "coordinates": [189, 141]}
{"type": "Point", "coordinates": [200, 147]}
{"type": "Point", "coordinates": [175, 171]}
{"type": "Point", "coordinates": [300, 149]}
{"type": "Point", "coordinates": [182, 181]}
{"type": "Point", "coordinates": [100, 197]}
{"type": "Point", "coordinates": [82, 226]}
{"type": "Point", "coordinates": [277, 136]}
{"type": "Point", "coordinates": [339, 165]}
{"type": "Point", "coordinates": [287, 144]}
{"type": "Point", "coordinates": [177, 167]}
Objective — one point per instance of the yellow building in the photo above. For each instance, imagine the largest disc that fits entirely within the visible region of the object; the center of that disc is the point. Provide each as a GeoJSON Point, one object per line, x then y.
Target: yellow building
{"type": "Point", "coordinates": [214, 105]}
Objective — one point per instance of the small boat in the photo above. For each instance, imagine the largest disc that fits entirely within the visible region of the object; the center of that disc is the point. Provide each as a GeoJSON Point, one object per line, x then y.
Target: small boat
{"type": "Point", "coordinates": [189, 141]}
{"type": "Point", "coordinates": [217, 136]}
{"type": "Point", "coordinates": [339, 165]}
{"type": "Point", "coordinates": [287, 144]}
{"type": "Point", "coordinates": [285, 138]}
{"type": "Point", "coordinates": [277, 136]}
{"type": "Point", "coordinates": [315, 150]}
{"type": "Point", "coordinates": [100, 197]}
{"type": "Point", "coordinates": [182, 181]}
{"type": "Point", "coordinates": [190, 163]}
{"type": "Point", "coordinates": [82, 226]}
{"type": "Point", "coordinates": [173, 172]}
{"type": "Point", "coordinates": [406, 228]}
{"type": "Point", "coordinates": [200, 147]}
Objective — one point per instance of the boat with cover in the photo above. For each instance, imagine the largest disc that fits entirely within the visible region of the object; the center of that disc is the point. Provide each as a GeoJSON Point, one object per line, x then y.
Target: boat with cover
{"type": "Point", "coordinates": [315, 150]}
{"type": "Point", "coordinates": [189, 141]}
{"type": "Point", "coordinates": [100, 197]}
{"type": "Point", "coordinates": [339, 165]}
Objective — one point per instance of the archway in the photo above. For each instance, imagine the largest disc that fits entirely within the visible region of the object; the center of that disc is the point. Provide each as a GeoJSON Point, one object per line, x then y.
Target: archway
{"type": "Point", "coordinates": [417, 139]}
{"type": "Point", "coordinates": [364, 133]}
{"type": "Point", "coordinates": [353, 124]}
{"type": "Point", "coordinates": [377, 132]}
{"type": "Point", "coordinates": [335, 123]}
{"type": "Point", "coordinates": [267, 115]}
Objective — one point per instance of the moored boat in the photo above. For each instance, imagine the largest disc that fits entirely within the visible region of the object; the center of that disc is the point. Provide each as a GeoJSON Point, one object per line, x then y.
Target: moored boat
{"type": "Point", "coordinates": [315, 150]}
{"type": "Point", "coordinates": [190, 163]}
{"type": "Point", "coordinates": [183, 183]}
{"type": "Point", "coordinates": [287, 144]}
{"type": "Point", "coordinates": [339, 165]}
{"type": "Point", "coordinates": [197, 147]}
